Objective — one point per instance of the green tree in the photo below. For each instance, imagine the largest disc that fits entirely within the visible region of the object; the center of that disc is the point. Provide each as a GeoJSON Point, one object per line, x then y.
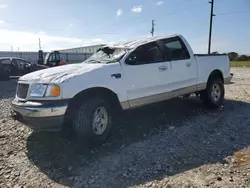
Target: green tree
{"type": "Point", "coordinates": [243, 58]}
{"type": "Point", "coordinates": [233, 56]}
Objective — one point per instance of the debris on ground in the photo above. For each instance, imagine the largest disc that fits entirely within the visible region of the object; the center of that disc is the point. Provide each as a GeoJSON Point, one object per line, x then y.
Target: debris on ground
{"type": "Point", "coordinates": [178, 143]}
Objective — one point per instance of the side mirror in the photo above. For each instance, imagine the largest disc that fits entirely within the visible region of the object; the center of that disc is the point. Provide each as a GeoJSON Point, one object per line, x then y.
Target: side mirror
{"type": "Point", "coordinates": [132, 60]}
{"type": "Point", "coordinates": [129, 62]}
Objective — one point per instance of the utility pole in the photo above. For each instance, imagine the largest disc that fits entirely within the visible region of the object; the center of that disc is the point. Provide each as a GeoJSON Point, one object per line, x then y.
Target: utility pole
{"type": "Point", "coordinates": [153, 28]}
{"type": "Point", "coordinates": [40, 44]}
{"type": "Point", "coordinates": [11, 48]}
{"type": "Point", "coordinates": [211, 25]}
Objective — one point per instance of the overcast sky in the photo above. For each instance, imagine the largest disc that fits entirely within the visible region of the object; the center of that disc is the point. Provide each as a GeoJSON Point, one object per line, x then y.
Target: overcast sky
{"type": "Point", "coordinates": [71, 23]}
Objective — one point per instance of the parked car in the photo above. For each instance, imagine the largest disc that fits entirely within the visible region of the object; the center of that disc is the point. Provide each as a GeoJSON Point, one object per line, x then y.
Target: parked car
{"type": "Point", "coordinates": [15, 67]}
{"type": "Point", "coordinates": [88, 95]}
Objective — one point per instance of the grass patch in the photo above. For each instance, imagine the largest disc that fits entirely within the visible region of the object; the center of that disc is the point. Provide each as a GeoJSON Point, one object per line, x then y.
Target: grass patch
{"type": "Point", "coordinates": [240, 63]}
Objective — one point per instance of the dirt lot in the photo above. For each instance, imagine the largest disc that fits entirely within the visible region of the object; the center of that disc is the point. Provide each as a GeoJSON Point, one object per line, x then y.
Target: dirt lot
{"type": "Point", "coordinates": [173, 144]}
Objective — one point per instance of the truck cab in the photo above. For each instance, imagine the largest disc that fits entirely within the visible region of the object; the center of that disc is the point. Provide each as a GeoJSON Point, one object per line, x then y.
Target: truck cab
{"type": "Point", "coordinates": [52, 59]}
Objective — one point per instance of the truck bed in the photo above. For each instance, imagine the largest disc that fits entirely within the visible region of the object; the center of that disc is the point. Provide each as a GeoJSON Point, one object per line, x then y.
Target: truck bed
{"type": "Point", "coordinates": [206, 63]}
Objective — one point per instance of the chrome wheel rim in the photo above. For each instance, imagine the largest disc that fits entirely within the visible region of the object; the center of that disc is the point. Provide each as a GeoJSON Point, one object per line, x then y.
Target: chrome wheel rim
{"type": "Point", "coordinates": [100, 120]}
{"type": "Point", "coordinates": [216, 93]}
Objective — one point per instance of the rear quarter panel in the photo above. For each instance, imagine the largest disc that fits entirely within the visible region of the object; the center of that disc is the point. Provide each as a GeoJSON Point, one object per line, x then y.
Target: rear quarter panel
{"type": "Point", "coordinates": [208, 63]}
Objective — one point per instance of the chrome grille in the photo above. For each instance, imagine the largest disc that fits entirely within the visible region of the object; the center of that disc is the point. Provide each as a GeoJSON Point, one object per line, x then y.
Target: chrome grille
{"type": "Point", "coordinates": [22, 90]}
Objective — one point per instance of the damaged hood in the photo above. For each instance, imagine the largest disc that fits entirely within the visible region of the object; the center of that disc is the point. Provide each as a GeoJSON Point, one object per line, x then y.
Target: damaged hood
{"type": "Point", "coordinates": [60, 74]}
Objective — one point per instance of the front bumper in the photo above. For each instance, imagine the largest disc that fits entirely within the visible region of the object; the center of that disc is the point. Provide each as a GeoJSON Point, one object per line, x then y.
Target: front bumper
{"type": "Point", "coordinates": [40, 116]}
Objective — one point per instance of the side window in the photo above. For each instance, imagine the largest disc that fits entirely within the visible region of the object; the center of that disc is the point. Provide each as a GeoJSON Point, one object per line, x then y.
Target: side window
{"type": "Point", "coordinates": [5, 65]}
{"type": "Point", "coordinates": [22, 63]}
{"type": "Point", "coordinates": [5, 62]}
{"type": "Point", "coordinates": [52, 57]}
{"type": "Point", "coordinates": [145, 54]}
{"type": "Point", "coordinates": [176, 49]}
{"type": "Point", "coordinates": [16, 63]}
{"type": "Point", "coordinates": [57, 57]}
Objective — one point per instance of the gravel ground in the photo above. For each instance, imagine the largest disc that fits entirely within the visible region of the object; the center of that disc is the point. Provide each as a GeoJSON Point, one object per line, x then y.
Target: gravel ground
{"type": "Point", "coordinates": [177, 143]}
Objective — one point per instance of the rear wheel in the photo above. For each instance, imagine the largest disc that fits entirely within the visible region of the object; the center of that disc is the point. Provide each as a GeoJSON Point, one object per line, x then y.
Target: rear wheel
{"type": "Point", "coordinates": [93, 121]}
{"type": "Point", "coordinates": [214, 94]}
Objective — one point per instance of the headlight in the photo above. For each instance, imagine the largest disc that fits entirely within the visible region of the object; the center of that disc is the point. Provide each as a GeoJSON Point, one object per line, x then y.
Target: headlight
{"type": "Point", "coordinates": [45, 90]}
{"type": "Point", "coordinates": [38, 90]}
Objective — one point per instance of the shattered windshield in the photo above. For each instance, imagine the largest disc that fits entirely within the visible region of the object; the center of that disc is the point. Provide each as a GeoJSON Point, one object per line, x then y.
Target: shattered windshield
{"type": "Point", "coordinates": [107, 55]}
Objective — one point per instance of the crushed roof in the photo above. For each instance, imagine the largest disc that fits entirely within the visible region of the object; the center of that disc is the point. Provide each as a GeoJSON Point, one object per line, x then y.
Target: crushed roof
{"type": "Point", "coordinates": [139, 42]}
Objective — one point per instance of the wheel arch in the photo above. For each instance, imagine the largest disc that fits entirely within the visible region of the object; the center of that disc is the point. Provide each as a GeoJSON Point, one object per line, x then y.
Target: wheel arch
{"type": "Point", "coordinates": [108, 94]}
{"type": "Point", "coordinates": [215, 74]}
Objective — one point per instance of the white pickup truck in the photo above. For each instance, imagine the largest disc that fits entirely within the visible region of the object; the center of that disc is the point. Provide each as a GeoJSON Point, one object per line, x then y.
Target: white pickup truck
{"type": "Point", "coordinates": [86, 96]}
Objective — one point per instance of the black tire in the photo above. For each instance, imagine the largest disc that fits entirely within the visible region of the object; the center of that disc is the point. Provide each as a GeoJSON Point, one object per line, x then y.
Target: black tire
{"type": "Point", "coordinates": [207, 95]}
{"type": "Point", "coordinates": [83, 120]}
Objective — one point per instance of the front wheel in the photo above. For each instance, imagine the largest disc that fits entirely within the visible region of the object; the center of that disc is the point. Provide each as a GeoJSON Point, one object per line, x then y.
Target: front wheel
{"type": "Point", "coordinates": [214, 94]}
{"type": "Point", "coordinates": [93, 120]}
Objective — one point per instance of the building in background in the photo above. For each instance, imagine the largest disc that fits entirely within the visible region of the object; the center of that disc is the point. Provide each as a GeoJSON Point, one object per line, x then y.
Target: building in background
{"type": "Point", "coordinates": [29, 56]}
{"type": "Point", "coordinates": [72, 55]}
{"type": "Point", "coordinates": [84, 49]}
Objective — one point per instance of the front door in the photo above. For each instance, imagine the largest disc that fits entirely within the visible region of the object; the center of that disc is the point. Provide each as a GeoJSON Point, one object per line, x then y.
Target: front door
{"type": "Point", "coordinates": [146, 73]}
{"type": "Point", "coordinates": [15, 68]}
{"type": "Point", "coordinates": [183, 67]}
{"type": "Point", "coordinates": [54, 59]}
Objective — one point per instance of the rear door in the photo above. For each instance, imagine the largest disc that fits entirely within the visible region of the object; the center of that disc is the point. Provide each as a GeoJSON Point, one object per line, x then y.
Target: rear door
{"type": "Point", "coordinates": [146, 70]}
{"type": "Point", "coordinates": [183, 66]}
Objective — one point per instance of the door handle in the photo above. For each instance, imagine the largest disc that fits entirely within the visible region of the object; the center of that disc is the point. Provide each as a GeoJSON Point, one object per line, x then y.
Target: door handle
{"type": "Point", "coordinates": [188, 64]}
{"type": "Point", "coordinates": [117, 75]}
{"type": "Point", "coordinates": [163, 68]}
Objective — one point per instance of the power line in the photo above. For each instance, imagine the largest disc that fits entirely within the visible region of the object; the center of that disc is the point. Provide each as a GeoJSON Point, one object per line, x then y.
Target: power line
{"type": "Point", "coordinates": [235, 12]}
{"type": "Point", "coordinates": [138, 20]}
{"type": "Point", "coordinates": [114, 33]}
{"type": "Point", "coordinates": [211, 21]}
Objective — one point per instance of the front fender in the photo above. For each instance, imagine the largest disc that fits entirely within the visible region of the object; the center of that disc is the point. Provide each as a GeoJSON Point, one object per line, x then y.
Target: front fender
{"type": "Point", "coordinates": [101, 78]}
